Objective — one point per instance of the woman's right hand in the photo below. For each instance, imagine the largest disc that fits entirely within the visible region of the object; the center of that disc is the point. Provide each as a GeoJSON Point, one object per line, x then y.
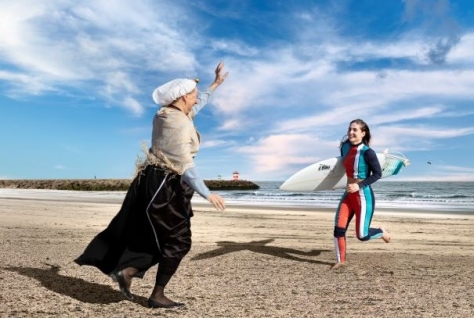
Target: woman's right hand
{"type": "Point", "coordinates": [216, 201]}
{"type": "Point", "coordinates": [219, 76]}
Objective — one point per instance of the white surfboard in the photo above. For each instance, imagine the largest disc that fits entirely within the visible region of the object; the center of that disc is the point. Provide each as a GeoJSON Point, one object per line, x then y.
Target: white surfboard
{"type": "Point", "coordinates": [330, 173]}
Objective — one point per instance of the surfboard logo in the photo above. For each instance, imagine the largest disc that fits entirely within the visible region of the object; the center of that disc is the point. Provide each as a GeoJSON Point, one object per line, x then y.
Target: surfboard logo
{"type": "Point", "coordinates": [323, 167]}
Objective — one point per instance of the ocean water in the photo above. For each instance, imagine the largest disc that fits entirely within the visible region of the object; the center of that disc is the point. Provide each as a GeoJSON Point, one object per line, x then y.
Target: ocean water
{"type": "Point", "coordinates": [419, 196]}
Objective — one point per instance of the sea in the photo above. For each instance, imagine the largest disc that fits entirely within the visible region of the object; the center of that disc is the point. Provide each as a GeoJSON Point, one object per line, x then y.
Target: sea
{"type": "Point", "coordinates": [419, 197]}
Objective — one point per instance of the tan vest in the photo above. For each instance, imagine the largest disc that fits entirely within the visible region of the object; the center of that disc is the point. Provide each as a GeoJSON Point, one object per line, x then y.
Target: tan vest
{"type": "Point", "coordinates": [174, 140]}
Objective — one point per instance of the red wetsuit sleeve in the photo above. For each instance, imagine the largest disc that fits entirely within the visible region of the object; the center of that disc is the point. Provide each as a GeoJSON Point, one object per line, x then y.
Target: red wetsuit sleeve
{"type": "Point", "coordinates": [375, 170]}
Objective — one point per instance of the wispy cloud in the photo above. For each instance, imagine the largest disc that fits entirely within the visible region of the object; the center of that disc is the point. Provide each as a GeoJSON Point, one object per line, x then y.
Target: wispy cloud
{"type": "Point", "coordinates": [293, 87]}
{"type": "Point", "coordinates": [90, 43]}
{"type": "Point", "coordinates": [278, 152]}
{"type": "Point", "coordinates": [217, 143]}
{"type": "Point", "coordinates": [428, 132]}
{"type": "Point", "coordinates": [438, 24]}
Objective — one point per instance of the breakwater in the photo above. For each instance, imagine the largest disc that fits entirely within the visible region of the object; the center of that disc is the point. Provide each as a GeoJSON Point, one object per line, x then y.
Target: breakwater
{"type": "Point", "coordinates": [111, 184]}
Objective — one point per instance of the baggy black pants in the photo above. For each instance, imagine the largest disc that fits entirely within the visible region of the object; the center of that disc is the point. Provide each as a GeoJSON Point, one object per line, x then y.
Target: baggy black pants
{"type": "Point", "coordinates": [153, 226]}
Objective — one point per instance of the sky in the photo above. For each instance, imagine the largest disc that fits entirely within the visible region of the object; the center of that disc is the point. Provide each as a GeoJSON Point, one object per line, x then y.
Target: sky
{"type": "Point", "coordinates": [76, 83]}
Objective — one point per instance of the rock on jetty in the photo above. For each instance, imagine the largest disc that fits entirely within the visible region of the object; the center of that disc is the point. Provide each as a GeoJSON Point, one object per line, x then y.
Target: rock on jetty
{"type": "Point", "coordinates": [111, 184]}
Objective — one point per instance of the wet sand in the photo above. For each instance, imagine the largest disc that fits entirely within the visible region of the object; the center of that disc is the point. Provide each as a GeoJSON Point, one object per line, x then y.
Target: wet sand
{"type": "Point", "coordinates": [245, 262]}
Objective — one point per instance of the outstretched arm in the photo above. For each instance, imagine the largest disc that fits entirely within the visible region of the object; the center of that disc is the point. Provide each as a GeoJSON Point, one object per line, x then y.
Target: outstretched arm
{"type": "Point", "coordinates": [192, 178]}
{"type": "Point", "coordinates": [205, 96]}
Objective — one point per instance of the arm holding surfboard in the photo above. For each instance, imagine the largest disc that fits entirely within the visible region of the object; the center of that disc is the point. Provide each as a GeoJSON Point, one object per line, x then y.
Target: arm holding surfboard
{"type": "Point", "coordinates": [329, 174]}
{"type": "Point", "coordinates": [375, 172]}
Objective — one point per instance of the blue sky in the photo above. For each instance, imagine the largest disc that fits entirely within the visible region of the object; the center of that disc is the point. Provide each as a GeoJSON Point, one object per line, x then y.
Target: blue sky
{"type": "Point", "coordinates": [76, 79]}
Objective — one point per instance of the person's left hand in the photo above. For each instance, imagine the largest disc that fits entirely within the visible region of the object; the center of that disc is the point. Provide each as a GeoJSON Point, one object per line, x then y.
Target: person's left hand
{"type": "Point", "coordinates": [217, 201]}
{"type": "Point", "coordinates": [352, 188]}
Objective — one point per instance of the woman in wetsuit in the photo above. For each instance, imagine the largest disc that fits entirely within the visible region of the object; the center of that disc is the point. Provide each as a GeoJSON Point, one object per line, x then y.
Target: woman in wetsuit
{"type": "Point", "coordinates": [362, 169]}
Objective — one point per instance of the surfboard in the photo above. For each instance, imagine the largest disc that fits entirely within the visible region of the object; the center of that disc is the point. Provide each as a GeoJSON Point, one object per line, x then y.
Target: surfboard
{"type": "Point", "coordinates": [330, 173]}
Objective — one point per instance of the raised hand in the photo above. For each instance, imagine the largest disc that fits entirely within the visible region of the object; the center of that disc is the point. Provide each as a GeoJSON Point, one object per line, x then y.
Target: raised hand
{"type": "Point", "coordinates": [220, 77]}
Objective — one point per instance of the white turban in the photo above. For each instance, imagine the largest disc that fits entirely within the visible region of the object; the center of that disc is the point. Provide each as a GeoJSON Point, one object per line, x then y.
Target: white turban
{"type": "Point", "coordinates": [172, 90]}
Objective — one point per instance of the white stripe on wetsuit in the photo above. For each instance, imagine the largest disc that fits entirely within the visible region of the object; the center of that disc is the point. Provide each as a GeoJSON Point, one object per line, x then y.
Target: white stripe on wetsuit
{"type": "Point", "coordinates": [363, 212]}
{"type": "Point", "coordinates": [338, 252]}
{"type": "Point", "coordinates": [363, 202]}
{"type": "Point", "coordinates": [356, 162]}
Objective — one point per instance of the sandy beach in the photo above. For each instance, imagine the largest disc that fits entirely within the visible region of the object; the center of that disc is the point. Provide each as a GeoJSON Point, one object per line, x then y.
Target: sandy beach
{"type": "Point", "coordinates": [245, 262]}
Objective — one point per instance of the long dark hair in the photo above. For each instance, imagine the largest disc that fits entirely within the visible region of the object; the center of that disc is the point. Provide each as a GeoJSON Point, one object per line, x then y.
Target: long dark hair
{"type": "Point", "coordinates": [363, 127]}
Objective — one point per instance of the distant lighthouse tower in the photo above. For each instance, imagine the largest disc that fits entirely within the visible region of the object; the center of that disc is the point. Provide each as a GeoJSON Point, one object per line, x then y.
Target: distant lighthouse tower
{"type": "Point", "coordinates": [235, 176]}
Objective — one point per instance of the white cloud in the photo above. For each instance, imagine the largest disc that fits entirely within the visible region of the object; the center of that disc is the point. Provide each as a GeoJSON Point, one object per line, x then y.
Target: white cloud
{"type": "Point", "coordinates": [92, 42]}
{"type": "Point", "coordinates": [21, 82]}
{"type": "Point", "coordinates": [278, 152]}
{"type": "Point", "coordinates": [318, 92]}
{"type": "Point", "coordinates": [295, 96]}
{"type": "Point", "coordinates": [217, 143]}
{"type": "Point", "coordinates": [428, 132]}
{"type": "Point", "coordinates": [397, 116]}
{"type": "Point", "coordinates": [133, 105]}
{"type": "Point", "coordinates": [284, 96]}
{"type": "Point", "coordinates": [235, 47]}
{"type": "Point", "coordinates": [462, 53]}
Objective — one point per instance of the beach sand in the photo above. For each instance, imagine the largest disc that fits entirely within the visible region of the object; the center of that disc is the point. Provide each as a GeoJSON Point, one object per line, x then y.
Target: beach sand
{"type": "Point", "coordinates": [245, 262]}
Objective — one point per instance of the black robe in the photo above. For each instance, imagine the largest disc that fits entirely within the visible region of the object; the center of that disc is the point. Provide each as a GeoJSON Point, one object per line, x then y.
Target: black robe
{"type": "Point", "coordinates": [153, 226]}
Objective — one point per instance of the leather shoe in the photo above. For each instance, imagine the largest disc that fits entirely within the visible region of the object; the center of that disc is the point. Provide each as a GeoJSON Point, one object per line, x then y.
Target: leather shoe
{"type": "Point", "coordinates": [155, 304]}
{"type": "Point", "coordinates": [117, 276]}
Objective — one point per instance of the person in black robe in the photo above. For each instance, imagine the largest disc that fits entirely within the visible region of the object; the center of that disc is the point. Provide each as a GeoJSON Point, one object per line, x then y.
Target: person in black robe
{"type": "Point", "coordinates": [153, 225]}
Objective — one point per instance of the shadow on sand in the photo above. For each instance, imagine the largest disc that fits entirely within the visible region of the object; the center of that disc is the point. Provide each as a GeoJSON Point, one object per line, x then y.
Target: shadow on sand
{"type": "Point", "coordinates": [260, 247]}
{"type": "Point", "coordinates": [76, 288]}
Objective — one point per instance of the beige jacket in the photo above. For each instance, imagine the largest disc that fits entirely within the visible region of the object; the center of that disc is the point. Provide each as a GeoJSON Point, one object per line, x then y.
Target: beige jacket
{"type": "Point", "coordinates": [175, 140]}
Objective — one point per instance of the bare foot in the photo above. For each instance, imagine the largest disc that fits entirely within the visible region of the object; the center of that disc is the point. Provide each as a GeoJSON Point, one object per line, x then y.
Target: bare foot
{"type": "Point", "coordinates": [385, 236]}
{"type": "Point", "coordinates": [338, 265]}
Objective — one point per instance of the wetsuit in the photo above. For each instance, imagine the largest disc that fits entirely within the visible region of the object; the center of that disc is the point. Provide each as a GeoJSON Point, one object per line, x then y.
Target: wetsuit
{"type": "Point", "coordinates": [360, 163]}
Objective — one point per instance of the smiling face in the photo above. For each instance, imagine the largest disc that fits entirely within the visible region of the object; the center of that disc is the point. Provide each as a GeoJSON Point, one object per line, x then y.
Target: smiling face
{"type": "Point", "coordinates": [190, 100]}
{"type": "Point", "coordinates": [355, 133]}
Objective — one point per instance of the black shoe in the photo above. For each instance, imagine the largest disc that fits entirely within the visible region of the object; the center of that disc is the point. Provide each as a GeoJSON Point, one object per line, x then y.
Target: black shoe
{"type": "Point", "coordinates": [117, 276]}
{"type": "Point", "coordinates": [155, 304]}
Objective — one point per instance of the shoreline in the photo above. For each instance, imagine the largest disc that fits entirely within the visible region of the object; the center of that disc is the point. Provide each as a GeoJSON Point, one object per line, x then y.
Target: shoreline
{"type": "Point", "coordinates": [199, 203]}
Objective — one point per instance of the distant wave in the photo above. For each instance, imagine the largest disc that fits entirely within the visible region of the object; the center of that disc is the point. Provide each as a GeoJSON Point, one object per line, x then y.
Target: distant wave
{"type": "Point", "coordinates": [407, 195]}
{"type": "Point", "coordinates": [422, 196]}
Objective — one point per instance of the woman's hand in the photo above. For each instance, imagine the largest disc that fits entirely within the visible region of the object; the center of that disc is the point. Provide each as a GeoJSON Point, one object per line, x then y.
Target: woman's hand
{"type": "Point", "coordinates": [352, 188]}
{"type": "Point", "coordinates": [217, 201]}
{"type": "Point", "coordinates": [220, 78]}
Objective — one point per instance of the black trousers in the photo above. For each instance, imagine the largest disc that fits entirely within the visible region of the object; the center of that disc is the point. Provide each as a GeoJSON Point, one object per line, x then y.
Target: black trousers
{"type": "Point", "coordinates": [153, 226]}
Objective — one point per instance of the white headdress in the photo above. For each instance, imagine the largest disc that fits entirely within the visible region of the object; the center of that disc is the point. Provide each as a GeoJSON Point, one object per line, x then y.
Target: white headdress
{"type": "Point", "coordinates": [172, 90]}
